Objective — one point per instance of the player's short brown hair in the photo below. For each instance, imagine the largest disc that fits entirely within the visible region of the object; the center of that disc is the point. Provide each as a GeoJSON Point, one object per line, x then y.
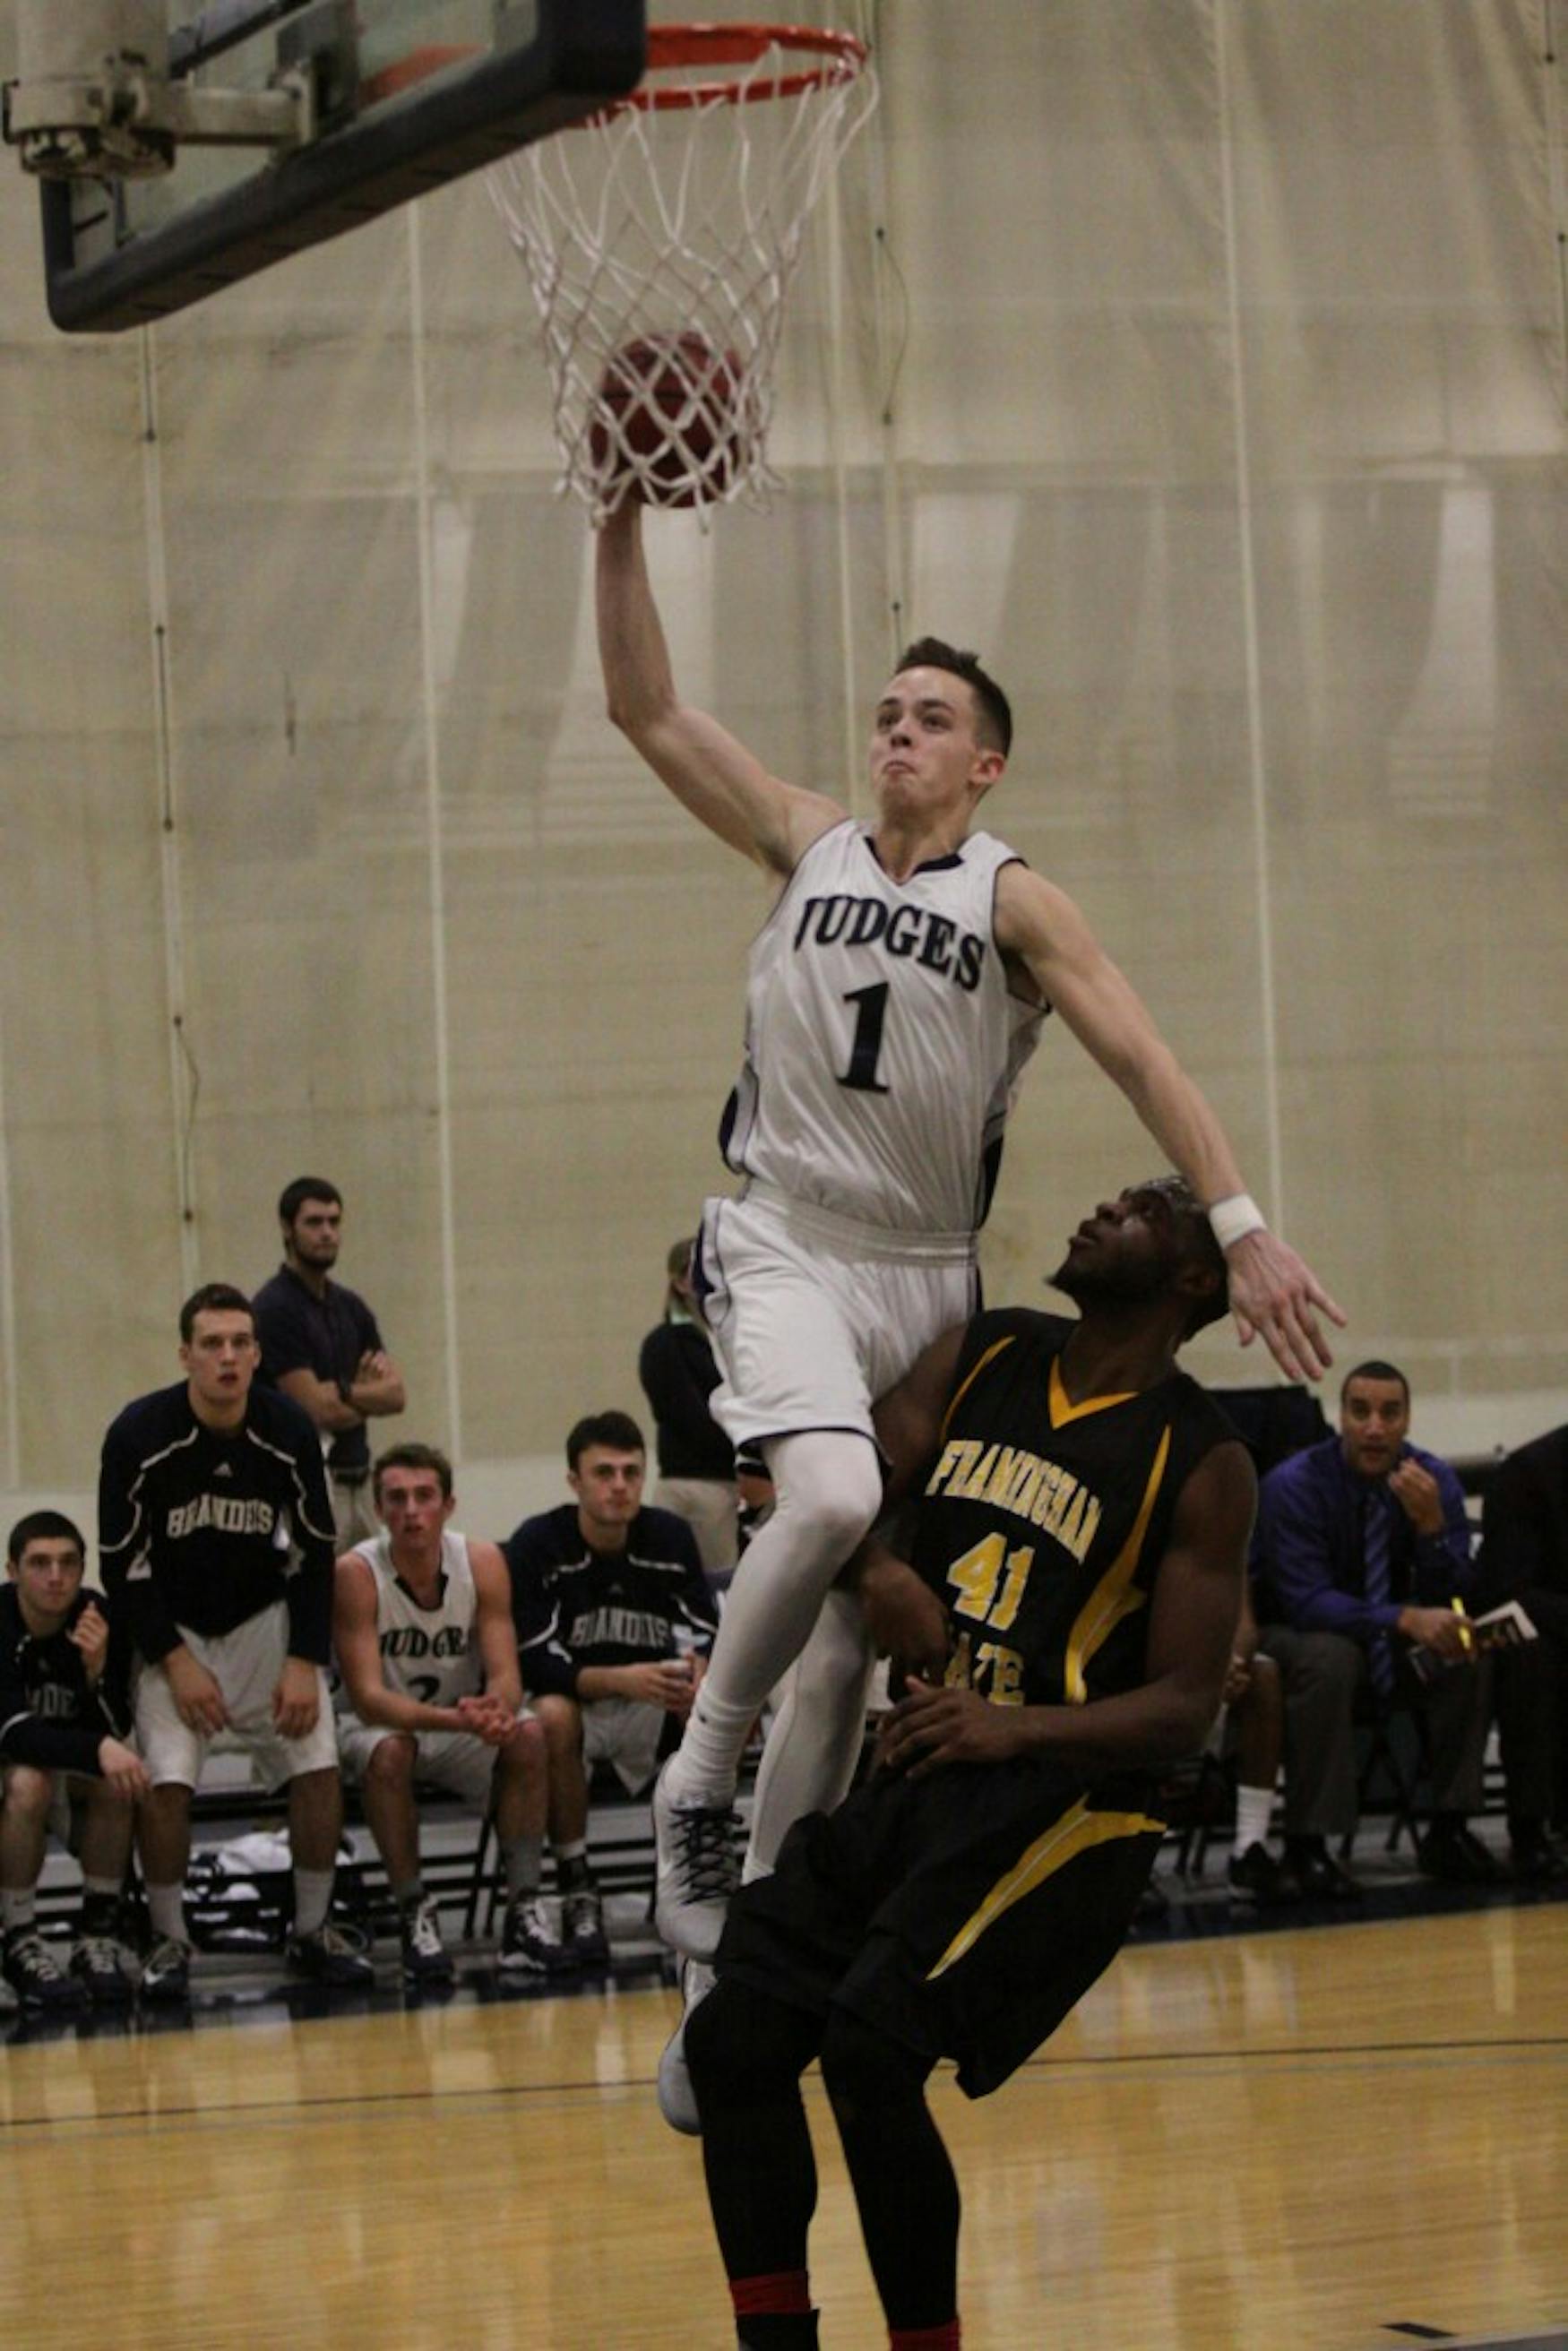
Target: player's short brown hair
{"type": "Point", "coordinates": [43, 1526]}
{"type": "Point", "coordinates": [413, 1455]}
{"type": "Point", "coordinates": [996, 716]}
{"type": "Point", "coordinates": [213, 1298]}
{"type": "Point", "coordinates": [617, 1430]}
{"type": "Point", "coordinates": [293, 1196]}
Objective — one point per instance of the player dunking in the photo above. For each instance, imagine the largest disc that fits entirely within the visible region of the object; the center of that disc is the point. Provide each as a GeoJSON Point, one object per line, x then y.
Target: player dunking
{"type": "Point", "coordinates": [1078, 1549]}
{"type": "Point", "coordinates": [894, 995]}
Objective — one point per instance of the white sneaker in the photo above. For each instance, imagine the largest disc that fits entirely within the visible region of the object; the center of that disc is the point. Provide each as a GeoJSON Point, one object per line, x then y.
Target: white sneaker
{"type": "Point", "coordinates": [677, 2100]}
{"type": "Point", "coordinates": [425, 1958]}
{"type": "Point", "coordinates": [697, 1870]}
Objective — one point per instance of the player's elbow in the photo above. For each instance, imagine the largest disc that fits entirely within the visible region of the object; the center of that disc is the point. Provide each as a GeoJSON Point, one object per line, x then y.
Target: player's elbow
{"type": "Point", "coordinates": [642, 703]}
{"type": "Point", "coordinates": [631, 696]}
{"type": "Point", "coordinates": [1180, 1717]}
{"type": "Point", "coordinates": [1193, 1722]}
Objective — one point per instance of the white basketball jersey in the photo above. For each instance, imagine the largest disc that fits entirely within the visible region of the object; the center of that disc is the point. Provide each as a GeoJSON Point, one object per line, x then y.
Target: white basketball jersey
{"type": "Point", "coordinates": [428, 1654]}
{"type": "Point", "coordinates": [883, 1044]}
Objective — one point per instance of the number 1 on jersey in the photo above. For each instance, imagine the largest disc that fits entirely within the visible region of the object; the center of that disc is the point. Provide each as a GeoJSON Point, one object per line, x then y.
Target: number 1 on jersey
{"type": "Point", "coordinates": [872, 1010]}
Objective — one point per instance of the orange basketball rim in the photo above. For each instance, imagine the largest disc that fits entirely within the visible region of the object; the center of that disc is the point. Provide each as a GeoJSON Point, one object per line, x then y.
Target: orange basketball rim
{"type": "Point", "coordinates": [681, 210]}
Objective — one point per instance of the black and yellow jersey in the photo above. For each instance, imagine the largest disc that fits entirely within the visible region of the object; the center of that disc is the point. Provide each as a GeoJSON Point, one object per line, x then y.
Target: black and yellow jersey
{"type": "Point", "coordinates": [1043, 1524]}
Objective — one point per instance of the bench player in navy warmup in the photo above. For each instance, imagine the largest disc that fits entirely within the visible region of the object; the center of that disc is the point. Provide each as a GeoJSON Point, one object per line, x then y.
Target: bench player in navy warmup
{"type": "Point", "coordinates": [215, 1534]}
{"type": "Point", "coordinates": [65, 1727]}
{"type": "Point", "coordinates": [896, 993]}
{"type": "Point", "coordinates": [1078, 1542]}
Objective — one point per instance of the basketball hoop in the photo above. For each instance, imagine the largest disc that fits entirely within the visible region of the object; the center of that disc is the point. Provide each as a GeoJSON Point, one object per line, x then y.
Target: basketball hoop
{"type": "Point", "coordinates": [674, 218]}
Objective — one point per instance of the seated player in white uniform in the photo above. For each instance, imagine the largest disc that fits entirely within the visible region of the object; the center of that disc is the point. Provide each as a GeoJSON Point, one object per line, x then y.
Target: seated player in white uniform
{"type": "Point", "coordinates": [64, 1716]}
{"type": "Point", "coordinates": [894, 995]}
{"type": "Point", "coordinates": [422, 1624]}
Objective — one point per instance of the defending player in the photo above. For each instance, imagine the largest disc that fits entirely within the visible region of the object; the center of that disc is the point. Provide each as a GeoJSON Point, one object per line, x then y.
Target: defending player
{"type": "Point", "coordinates": [896, 993]}
{"type": "Point", "coordinates": [421, 1626]}
{"type": "Point", "coordinates": [1077, 1547]}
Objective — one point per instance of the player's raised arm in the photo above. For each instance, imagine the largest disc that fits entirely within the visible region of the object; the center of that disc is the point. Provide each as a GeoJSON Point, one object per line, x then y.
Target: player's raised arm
{"type": "Point", "coordinates": [711, 774]}
{"type": "Point", "coordinates": [1272, 1291]}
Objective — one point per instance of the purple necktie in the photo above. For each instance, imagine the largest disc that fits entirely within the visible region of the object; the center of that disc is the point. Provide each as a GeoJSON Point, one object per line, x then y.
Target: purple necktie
{"type": "Point", "coordinates": [1376, 1533]}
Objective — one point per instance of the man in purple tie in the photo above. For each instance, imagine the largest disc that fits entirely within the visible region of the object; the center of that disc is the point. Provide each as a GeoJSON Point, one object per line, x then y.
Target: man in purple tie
{"type": "Point", "coordinates": [1364, 1566]}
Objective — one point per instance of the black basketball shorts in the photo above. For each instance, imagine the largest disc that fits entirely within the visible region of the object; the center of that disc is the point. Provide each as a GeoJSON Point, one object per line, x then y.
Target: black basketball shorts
{"type": "Point", "coordinates": [966, 1913]}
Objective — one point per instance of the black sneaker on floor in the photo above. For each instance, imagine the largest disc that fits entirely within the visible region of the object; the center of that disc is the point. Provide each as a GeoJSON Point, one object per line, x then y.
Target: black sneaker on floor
{"type": "Point", "coordinates": [1535, 1858]}
{"type": "Point", "coordinates": [35, 1976]}
{"type": "Point", "coordinates": [582, 1928]}
{"type": "Point", "coordinates": [427, 1962]}
{"type": "Point", "coordinates": [1256, 1876]}
{"type": "Point", "coordinates": [329, 1957]}
{"type": "Point", "coordinates": [99, 1965]}
{"type": "Point", "coordinates": [530, 1944]}
{"type": "Point", "coordinates": [1320, 1877]}
{"type": "Point", "coordinates": [1455, 1854]}
{"type": "Point", "coordinates": [167, 1974]}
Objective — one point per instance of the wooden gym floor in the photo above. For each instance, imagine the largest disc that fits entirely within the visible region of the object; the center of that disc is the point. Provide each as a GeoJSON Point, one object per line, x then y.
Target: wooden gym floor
{"type": "Point", "coordinates": [1316, 2139]}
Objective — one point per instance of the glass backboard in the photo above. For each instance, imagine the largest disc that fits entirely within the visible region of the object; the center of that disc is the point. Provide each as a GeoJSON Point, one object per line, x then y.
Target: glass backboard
{"type": "Point", "coordinates": [413, 93]}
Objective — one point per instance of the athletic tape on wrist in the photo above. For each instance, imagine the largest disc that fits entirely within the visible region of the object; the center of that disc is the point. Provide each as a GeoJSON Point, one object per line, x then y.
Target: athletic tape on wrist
{"type": "Point", "coordinates": [1231, 1221]}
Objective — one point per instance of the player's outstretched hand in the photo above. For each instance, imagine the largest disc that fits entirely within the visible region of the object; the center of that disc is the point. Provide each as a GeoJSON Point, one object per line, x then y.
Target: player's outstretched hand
{"type": "Point", "coordinates": [1275, 1292]}
{"type": "Point", "coordinates": [905, 1619]}
{"type": "Point", "coordinates": [934, 1725]}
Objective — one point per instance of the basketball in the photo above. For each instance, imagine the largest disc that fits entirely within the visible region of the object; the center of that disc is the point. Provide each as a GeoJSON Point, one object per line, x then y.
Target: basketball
{"type": "Point", "coordinates": [667, 417]}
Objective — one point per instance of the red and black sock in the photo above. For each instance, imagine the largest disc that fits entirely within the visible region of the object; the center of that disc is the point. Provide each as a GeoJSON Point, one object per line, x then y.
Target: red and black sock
{"type": "Point", "coordinates": [774, 2314]}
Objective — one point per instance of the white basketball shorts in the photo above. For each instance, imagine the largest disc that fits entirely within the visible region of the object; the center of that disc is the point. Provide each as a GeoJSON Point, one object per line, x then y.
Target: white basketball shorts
{"type": "Point", "coordinates": [454, 1759]}
{"type": "Point", "coordinates": [245, 1665]}
{"type": "Point", "coordinates": [814, 1316]}
{"type": "Point", "coordinates": [624, 1732]}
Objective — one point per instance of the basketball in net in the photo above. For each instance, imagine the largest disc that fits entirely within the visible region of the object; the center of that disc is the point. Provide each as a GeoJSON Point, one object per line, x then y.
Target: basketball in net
{"type": "Point", "coordinates": [668, 425]}
{"type": "Point", "coordinates": [660, 238]}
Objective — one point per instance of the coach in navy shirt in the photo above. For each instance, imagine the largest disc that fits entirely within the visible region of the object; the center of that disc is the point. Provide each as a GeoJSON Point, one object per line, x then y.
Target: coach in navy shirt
{"type": "Point", "coordinates": [321, 1345]}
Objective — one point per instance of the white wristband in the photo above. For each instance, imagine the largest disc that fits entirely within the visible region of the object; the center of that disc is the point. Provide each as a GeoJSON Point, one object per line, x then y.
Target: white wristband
{"type": "Point", "coordinates": [1231, 1221]}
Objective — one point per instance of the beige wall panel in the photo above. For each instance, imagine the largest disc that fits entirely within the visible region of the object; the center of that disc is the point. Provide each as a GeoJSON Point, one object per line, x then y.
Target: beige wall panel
{"type": "Point", "coordinates": [605, 1033]}
{"type": "Point", "coordinates": [1056, 221]}
{"type": "Point", "coordinates": [89, 1140]}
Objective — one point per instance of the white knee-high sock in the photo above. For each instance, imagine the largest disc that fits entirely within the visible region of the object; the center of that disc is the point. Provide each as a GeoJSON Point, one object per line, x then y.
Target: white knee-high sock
{"type": "Point", "coordinates": [829, 1488]}
{"type": "Point", "coordinates": [815, 1743]}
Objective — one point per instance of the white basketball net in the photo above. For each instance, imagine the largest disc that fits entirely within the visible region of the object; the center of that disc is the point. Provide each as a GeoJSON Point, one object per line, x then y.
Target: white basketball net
{"type": "Point", "coordinates": [654, 221]}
